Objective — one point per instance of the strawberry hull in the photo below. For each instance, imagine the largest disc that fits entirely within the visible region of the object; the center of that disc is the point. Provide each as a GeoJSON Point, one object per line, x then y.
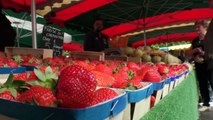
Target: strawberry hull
{"type": "Point", "coordinates": [139, 102]}
{"type": "Point", "coordinates": [100, 111]}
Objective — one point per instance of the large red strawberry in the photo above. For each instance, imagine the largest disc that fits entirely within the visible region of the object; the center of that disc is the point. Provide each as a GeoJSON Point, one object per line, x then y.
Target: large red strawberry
{"type": "Point", "coordinates": [152, 76]}
{"type": "Point", "coordinates": [75, 88]}
{"type": "Point", "coordinates": [103, 79]}
{"type": "Point", "coordinates": [104, 94]}
{"type": "Point", "coordinates": [41, 95]}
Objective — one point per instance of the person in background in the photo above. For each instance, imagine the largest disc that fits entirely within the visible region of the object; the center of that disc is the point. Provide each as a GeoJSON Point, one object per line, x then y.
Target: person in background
{"type": "Point", "coordinates": [95, 40]}
{"type": "Point", "coordinates": [7, 33]}
{"type": "Point", "coordinates": [197, 54]}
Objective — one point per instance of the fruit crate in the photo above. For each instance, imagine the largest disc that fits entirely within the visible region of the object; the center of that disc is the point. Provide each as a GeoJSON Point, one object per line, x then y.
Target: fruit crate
{"type": "Point", "coordinates": [108, 110]}
{"type": "Point", "coordinates": [116, 58]}
{"type": "Point", "coordinates": [172, 83]}
{"type": "Point", "coordinates": [134, 59]}
{"type": "Point", "coordinates": [16, 51]}
{"type": "Point", "coordinates": [4, 72]}
{"type": "Point", "coordinates": [138, 102]}
{"type": "Point", "coordinates": [82, 55]}
{"type": "Point", "coordinates": [158, 90]}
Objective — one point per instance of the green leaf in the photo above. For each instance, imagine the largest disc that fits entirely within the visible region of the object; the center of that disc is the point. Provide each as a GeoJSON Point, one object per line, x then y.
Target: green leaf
{"type": "Point", "coordinates": [9, 80]}
{"type": "Point", "coordinates": [40, 74]}
{"type": "Point", "coordinates": [48, 70]}
{"type": "Point", "coordinates": [13, 92]}
{"type": "Point", "coordinates": [18, 83]}
{"type": "Point", "coordinates": [3, 90]}
{"type": "Point", "coordinates": [34, 82]}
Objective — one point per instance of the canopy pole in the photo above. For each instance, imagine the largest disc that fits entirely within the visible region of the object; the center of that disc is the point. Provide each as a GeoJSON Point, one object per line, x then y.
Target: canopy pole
{"type": "Point", "coordinates": [34, 27]}
{"type": "Point", "coordinates": [144, 31]}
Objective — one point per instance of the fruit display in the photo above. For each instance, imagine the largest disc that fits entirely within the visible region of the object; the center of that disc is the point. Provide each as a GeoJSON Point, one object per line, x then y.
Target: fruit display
{"type": "Point", "coordinates": [65, 82]}
{"type": "Point", "coordinates": [147, 54]}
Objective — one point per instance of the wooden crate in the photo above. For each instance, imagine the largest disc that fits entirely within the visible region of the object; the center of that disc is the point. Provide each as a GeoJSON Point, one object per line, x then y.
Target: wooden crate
{"type": "Point", "coordinates": [117, 58]}
{"type": "Point", "coordinates": [134, 59]}
{"type": "Point", "coordinates": [15, 50]}
{"type": "Point", "coordinates": [82, 55]}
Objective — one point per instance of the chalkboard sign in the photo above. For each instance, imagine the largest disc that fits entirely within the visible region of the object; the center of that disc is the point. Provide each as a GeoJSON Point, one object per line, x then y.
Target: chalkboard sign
{"type": "Point", "coordinates": [53, 39]}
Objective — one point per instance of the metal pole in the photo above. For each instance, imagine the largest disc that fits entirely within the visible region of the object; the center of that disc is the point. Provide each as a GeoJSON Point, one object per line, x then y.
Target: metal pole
{"type": "Point", "coordinates": [34, 27]}
{"type": "Point", "coordinates": [144, 29]}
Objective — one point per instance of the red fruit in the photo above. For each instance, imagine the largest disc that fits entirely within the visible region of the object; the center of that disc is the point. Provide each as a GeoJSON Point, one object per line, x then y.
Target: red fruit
{"type": "Point", "coordinates": [152, 76]}
{"type": "Point", "coordinates": [163, 70]}
{"type": "Point", "coordinates": [75, 88]}
{"type": "Point", "coordinates": [7, 95]}
{"type": "Point", "coordinates": [136, 81]}
{"type": "Point", "coordinates": [133, 66]}
{"type": "Point", "coordinates": [103, 79]}
{"type": "Point", "coordinates": [152, 101]}
{"type": "Point", "coordinates": [22, 76]}
{"type": "Point", "coordinates": [43, 96]}
{"type": "Point", "coordinates": [83, 64]}
{"type": "Point", "coordinates": [32, 76]}
{"type": "Point", "coordinates": [120, 77]}
{"type": "Point", "coordinates": [104, 94]}
{"type": "Point", "coordinates": [142, 72]}
{"type": "Point", "coordinates": [103, 68]}
{"type": "Point", "coordinates": [12, 64]}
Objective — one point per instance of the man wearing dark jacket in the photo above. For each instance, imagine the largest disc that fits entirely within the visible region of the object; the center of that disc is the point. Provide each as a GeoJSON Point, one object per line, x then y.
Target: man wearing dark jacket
{"type": "Point", "coordinates": [95, 40]}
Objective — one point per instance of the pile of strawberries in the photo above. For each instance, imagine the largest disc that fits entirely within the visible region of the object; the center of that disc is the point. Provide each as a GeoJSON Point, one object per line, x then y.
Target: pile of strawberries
{"type": "Point", "coordinates": [76, 88]}
{"type": "Point", "coordinates": [68, 83]}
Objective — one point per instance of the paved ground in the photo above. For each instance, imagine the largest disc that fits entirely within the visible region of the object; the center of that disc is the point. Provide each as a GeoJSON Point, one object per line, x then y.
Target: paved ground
{"type": "Point", "coordinates": [207, 115]}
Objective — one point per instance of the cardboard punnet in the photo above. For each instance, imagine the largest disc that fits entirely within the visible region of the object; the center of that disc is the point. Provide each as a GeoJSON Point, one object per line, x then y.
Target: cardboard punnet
{"type": "Point", "coordinates": [138, 102]}
{"type": "Point", "coordinates": [105, 110]}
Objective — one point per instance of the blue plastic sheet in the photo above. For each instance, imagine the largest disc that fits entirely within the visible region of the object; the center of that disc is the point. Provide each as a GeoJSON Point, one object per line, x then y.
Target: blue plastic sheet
{"type": "Point", "coordinates": [12, 70]}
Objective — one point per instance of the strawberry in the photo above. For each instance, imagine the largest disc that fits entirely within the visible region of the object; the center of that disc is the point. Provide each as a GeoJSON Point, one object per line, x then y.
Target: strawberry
{"type": "Point", "coordinates": [142, 72]}
{"type": "Point", "coordinates": [85, 65]}
{"type": "Point", "coordinates": [152, 76]}
{"type": "Point", "coordinates": [22, 76]}
{"type": "Point", "coordinates": [103, 79]}
{"type": "Point", "coordinates": [12, 64]}
{"type": "Point", "coordinates": [104, 94]}
{"type": "Point", "coordinates": [75, 88]}
{"type": "Point", "coordinates": [133, 66]}
{"type": "Point", "coordinates": [9, 89]}
{"type": "Point", "coordinates": [152, 101]}
{"type": "Point", "coordinates": [103, 68]}
{"type": "Point", "coordinates": [120, 77]}
{"type": "Point", "coordinates": [32, 76]}
{"type": "Point", "coordinates": [7, 95]}
{"type": "Point", "coordinates": [163, 69]}
{"type": "Point", "coordinates": [42, 96]}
